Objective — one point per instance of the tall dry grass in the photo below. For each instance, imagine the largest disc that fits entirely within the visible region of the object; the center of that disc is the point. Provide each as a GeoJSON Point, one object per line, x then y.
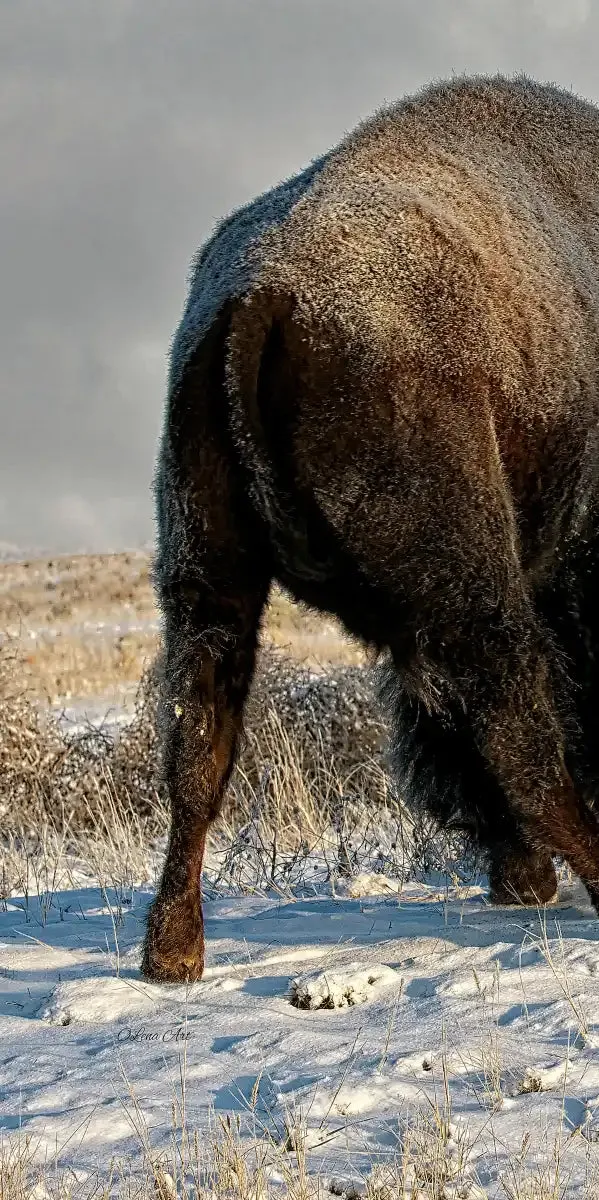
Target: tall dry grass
{"type": "Point", "coordinates": [311, 772]}
{"type": "Point", "coordinates": [312, 763]}
{"type": "Point", "coordinates": [328, 723]}
{"type": "Point", "coordinates": [88, 625]}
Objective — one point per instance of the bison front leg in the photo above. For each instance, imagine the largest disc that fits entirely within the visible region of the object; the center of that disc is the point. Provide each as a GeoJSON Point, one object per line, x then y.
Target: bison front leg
{"type": "Point", "coordinates": [209, 660]}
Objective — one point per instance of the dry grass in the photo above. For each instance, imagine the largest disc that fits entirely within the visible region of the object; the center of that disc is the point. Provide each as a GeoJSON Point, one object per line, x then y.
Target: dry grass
{"type": "Point", "coordinates": [311, 767]}
{"type": "Point", "coordinates": [230, 1166]}
{"type": "Point", "coordinates": [74, 666]}
{"type": "Point", "coordinates": [47, 775]}
{"type": "Point", "coordinates": [41, 593]}
{"type": "Point", "coordinates": [311, 775]}
{"type": "Point", "coordinates": [88, 625]}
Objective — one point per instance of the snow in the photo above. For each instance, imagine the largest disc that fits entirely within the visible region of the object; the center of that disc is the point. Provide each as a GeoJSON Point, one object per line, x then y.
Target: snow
{"type": "Point", "coordinates": [351, 1015]}
{"type": "Point", "coordinates": [366, 884]}
{"type": "Point", "coordinates": [94, 1001]}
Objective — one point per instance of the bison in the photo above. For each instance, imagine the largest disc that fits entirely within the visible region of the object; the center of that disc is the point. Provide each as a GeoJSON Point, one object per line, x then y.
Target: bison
{"type": "Point", "coordinates": [384, 394]}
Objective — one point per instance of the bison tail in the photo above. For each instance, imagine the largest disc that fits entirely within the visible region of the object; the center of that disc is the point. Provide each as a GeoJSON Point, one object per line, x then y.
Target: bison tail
{"type": "Point", "coordinates": [257, 361]}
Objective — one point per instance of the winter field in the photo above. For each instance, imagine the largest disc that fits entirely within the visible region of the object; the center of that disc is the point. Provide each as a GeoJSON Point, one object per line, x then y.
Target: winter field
{"type": "Point", "coordinates": [368, 1025]}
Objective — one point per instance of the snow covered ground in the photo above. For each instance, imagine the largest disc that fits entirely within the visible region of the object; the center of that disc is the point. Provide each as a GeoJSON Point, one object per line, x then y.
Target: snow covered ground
{"type": "Point", "coordinates": [351, 1016]}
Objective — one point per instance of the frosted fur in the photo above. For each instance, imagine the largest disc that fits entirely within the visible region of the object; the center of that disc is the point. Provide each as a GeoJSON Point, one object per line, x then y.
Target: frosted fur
{"type": "Point", "coordinates": [224, 269]}
{"type": "Point", "coordinates": [493, 175]}
{"type": "Point", "coordinates": [385, 396]}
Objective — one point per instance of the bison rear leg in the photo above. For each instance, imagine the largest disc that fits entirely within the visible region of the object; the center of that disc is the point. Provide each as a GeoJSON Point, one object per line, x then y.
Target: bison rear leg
{"type": "Point", "coordinates": [210, 645]}
{"type": "Point", "coordinates": [210, 651]}
{"type": "Point", "coordinates": [520, 734]}
{"type": "Point", "coordinates": [203, 703]}
{"type": "Point", "coordinates": [212, 575]}
{"type": "Point", "coordinates": [529, 808]}
{"type": "Point", "coordinates": [441, 769]}
{"type": "Point", "coordinates": [521, 874]}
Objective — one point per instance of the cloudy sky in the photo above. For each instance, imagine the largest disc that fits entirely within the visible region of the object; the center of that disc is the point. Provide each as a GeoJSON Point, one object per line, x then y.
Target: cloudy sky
{"type": "Point", "coordinates": [127, 127]}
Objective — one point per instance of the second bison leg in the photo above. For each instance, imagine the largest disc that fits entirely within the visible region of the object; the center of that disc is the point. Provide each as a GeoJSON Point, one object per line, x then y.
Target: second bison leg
{"type": "Point", "coordinates": [441, 769]}
{"type": "Point", "coordinates": [521, 736]}
{"type": "Point", "coordinates": [521, 874]}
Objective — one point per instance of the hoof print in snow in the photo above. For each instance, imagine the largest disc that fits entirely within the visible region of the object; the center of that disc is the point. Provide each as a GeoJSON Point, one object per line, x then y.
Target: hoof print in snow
{"type": "Point", "coordinates": [340, 989]}
{"type": "Point", "coordinates": [539, 1079]}
{"type": "Point", "coordinates": [589, 1124]}
{"type": "Point", "coordinates": [346, 1189]}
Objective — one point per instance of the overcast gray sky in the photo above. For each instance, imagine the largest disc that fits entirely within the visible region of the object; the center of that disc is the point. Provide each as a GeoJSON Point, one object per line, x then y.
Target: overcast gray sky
{"type": "Point", "coordinates": [127, 127]}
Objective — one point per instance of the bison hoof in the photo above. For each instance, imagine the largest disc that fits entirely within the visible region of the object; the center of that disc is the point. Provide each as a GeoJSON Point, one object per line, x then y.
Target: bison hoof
{"type": "Point", "coordinates": [503, 895]}
{"type": "Point", "coordinates": [530, 880]}
{"type": "Point", "coordinates": [174, 946]}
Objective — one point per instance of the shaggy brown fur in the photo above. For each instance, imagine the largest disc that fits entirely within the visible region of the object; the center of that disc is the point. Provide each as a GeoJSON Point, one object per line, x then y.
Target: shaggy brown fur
{"type": "Point", "coordinates": [385, 393]}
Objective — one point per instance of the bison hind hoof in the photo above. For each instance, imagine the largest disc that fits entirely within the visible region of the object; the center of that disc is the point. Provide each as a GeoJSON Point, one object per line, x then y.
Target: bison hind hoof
{"type": "Point", "coordinates": [174, 946]}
